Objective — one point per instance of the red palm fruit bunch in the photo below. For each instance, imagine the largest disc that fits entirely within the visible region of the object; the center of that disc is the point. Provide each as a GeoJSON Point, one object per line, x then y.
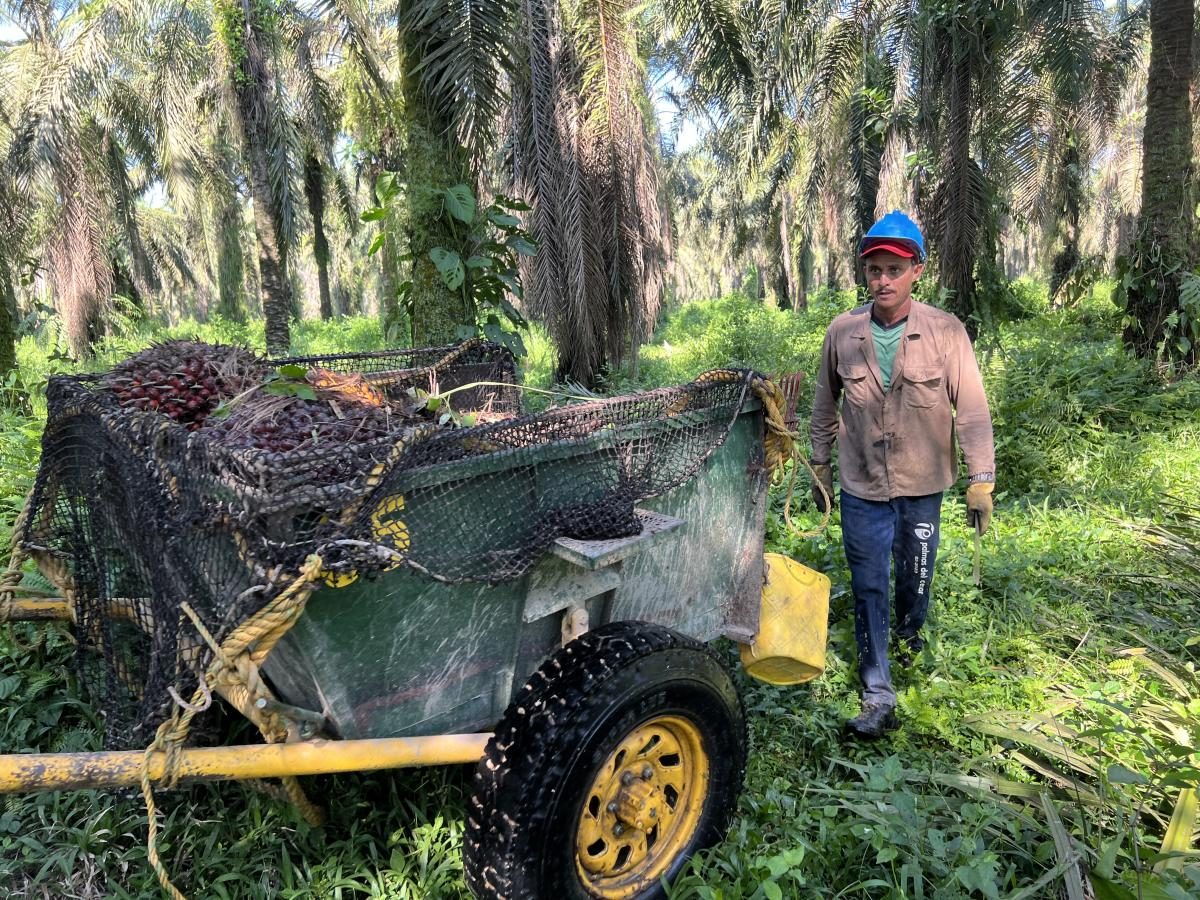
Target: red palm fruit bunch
{"type": "Point", "coordinates": [184, 380]}
{"type": "Point", "coordinates": [298, 409]}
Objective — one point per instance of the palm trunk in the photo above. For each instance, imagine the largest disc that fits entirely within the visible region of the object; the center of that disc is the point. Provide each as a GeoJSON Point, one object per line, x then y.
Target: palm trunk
{"type": "Point", "coordinates": [272, 262]}
{"type": "Point", "coordinates": [80, 268]}
{"type": "Point", "coordinates": [252, 87]}
{"type": "Point", "coordinates": [1068, 258]}
{"type": "Point", "coordinates": [959, 239]}
{"type": "Point", "coordinates": [805, 275]}
{"type": "Point", "coordinates": [230, 262]}
{"type": "Point", "coordinates": [8, 309]}
{"type": "Point", "coordinates": [838, 274]}
{"type": "Point", "coordinates": [432, 160]}
{"type": "Point", "coordinates": [868, 153]}
{"type": "Point", "coordinates": [314, 191]}
{"type": "Point", "coordinates": [1161, 252]}
{"type": "Point", "coordinates": [791, 286]}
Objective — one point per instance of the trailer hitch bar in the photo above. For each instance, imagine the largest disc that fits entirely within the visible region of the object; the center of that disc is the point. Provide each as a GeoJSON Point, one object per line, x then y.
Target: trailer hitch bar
{"type": "Point", "coordinates": [31, 772]}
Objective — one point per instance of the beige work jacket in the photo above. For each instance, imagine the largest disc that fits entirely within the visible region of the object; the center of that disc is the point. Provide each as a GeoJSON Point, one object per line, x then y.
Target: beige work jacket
{"type": "Point", "coordinates": [901, 444]}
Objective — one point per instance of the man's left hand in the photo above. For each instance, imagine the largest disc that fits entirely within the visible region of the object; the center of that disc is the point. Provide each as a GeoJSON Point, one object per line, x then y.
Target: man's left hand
{"type": "Point", "coordinates": [979, 505]}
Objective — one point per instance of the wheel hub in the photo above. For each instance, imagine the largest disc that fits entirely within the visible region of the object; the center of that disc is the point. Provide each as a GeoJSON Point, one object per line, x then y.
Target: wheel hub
{"type": "Point", "coordinates": [639, 801]}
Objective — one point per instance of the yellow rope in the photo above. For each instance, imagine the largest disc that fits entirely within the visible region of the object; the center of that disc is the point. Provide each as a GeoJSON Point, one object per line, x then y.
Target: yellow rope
{"type": "Point", "coordinates": [312, 813]}
{"type": "Point", "coordinates": [16, 559]}
{"type": "Point", "coordinates": [780, 446]}
{"type": "Point", "coordinates": [235, 669]}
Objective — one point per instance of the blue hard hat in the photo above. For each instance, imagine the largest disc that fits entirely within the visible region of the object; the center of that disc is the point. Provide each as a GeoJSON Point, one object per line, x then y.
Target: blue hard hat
{"type": "Point", "coordinates": [894, 228]}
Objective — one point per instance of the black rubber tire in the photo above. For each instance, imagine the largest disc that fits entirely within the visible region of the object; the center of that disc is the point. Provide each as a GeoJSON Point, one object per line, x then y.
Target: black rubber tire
{"type": "Point", "coordinates": [560, 728]}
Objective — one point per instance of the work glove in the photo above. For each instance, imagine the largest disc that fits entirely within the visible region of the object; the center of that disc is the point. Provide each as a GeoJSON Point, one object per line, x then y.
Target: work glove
{"type": "Point", "coordinates": [823, 475]}
{"type": "Point", "coordinates": [979, 505]}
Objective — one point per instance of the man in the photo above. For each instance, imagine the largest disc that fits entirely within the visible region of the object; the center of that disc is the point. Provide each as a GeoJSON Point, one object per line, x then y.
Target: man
{"type": "Point", "coordinates": [907, 382]}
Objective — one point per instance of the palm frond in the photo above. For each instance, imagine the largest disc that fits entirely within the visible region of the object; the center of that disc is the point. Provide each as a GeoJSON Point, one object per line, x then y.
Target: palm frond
{"type": "Point", "coordinates": [457, 53]}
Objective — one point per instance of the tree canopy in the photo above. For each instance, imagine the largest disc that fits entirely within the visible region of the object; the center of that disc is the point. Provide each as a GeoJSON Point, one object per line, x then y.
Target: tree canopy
{"type": "Point", "coordinates": [204, 159]}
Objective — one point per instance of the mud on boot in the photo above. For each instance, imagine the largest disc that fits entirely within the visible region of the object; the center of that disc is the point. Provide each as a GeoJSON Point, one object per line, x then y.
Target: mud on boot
{"type": "Point", "coordinates": [875, 720]}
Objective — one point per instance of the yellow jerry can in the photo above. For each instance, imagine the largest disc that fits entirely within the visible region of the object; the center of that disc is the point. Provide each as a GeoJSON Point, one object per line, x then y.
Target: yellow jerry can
{"type": "Point", "coordinates": [793, 626]}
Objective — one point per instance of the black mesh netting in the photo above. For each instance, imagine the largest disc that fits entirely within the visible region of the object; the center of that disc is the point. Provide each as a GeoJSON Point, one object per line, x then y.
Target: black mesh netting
{"type": "Point", "coordinates": [139, 514]}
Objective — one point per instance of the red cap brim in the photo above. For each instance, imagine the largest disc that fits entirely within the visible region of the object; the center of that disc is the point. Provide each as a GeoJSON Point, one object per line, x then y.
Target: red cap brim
{"type": "Point", "coordinates": [898, 249]}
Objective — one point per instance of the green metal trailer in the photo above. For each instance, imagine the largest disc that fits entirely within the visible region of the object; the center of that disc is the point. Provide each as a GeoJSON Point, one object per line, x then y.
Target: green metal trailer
{"type": "Point", "coordinates": [610, 739]}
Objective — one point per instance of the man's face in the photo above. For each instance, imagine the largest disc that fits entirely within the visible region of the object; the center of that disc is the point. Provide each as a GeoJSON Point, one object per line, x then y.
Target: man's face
{"type": "Point", "coordinates": [890, 279]}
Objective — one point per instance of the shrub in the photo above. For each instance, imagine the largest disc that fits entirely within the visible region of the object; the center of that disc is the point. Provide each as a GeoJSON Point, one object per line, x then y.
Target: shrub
{"type": "Point", "coordinates": [1076, 414]}
{"type": "Point", "coordinates": [734, 331]}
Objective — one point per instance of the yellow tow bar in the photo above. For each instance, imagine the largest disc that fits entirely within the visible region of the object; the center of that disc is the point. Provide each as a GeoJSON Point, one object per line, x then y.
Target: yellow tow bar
{"type": "Point", "coordinates": [29, 772]}
{"type": "Point", "coordinates": [36, 609]}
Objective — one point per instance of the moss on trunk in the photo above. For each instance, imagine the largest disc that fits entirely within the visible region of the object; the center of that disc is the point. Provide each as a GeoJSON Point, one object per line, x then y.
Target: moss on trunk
{"type": "Point", "coordinates": [432, 161]}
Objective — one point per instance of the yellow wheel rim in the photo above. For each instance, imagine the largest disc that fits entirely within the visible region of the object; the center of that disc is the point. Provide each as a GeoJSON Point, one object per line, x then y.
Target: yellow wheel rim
{"type": "Point", "coordinates": [642, 809]}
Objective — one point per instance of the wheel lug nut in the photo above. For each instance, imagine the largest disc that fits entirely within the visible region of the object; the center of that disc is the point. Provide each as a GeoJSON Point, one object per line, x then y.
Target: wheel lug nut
{"type": "Point", "coordinates": [648, 772]}
{"type": "Point", "coordinates": [627, 778]}
{"type": "Point", "coordinates": [618, 829]}
{"type": "Point", "coordinates": [612, 806]}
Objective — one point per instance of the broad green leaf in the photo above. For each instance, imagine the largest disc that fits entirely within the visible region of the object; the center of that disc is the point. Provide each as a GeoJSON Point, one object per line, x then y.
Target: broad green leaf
{"type": "Point", "coordinates": [376, 244]}
{"type": "Point", "coordinates": [280, 388]}
{"type": "Point", "coordinates": [513, 203]}
{"type": "Point", "coordinates": [9, 685]}
{"type": "Point", "coordinates": [293, 371]}
{"type": "Point", "coordinates": [1149, 887]}
{"type": "Point", "coordinates": [460, 202]}
{"type": "Point", "coordinates": [1109, 890]}
{"type": "Point", "coordinates": [492, 331]}
{"type": "Point", "coordinates": [1178, 839]}
{"type": "Point", "coordinates": [387, 187]}
{"type": "Point", "coordinates": [772, 891]}
{"type": "Point", "coordinates": [1119, 774]}
{"type": "Point", "coordinates": [449, 264]}
{"type": "Point", "coordinates": [514, 314]}
{"type": "Point", "coordinates": [980, 876]}
{"type": "Point", "coordinates": [1106, 860]}
{"type": "Point", "coordinates": [522, 246]}
{"type": "Point", "coordinates": [513, 342]}
{"type": "Point", "coordinates": [503, 220]}
{"type": "Point", "coordinates": [374, 214]}
{"type": "Point", "coordinates": [479, 262]}
{"type": "Point", "coordinates": [304, 392]}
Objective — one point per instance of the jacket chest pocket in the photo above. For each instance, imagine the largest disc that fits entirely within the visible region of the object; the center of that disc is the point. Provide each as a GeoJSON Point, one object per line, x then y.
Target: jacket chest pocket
{"type": "Point", "coordinates": [854, 383]}
{"type": "Point", "coordinates": [924, 386]}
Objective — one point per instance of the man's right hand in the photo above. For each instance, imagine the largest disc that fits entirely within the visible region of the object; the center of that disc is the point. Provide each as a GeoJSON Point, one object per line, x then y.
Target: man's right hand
{"type": "Point", "coordinates": [823, 478]}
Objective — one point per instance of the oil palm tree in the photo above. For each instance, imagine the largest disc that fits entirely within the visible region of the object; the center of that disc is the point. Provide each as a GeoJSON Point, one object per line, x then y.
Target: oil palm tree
{"type": "Point", "coordinates": [453, 56]}
{"type": "Point", "coordinates": [583, 156]}
{"type": "Point", "coordinates": [14, 225]}
{"type": "Point", "coordinates": [248, 43]}
{"type": "Point", "coordinates": [1158, 321]}
{"type": "Point", "coordinates": [967, 82]}
{"type": "Point", "coordinates": [69, 101]}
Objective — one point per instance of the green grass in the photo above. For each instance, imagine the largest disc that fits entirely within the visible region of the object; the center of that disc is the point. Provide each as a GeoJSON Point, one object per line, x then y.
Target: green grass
{"type": "Point", "coordinates": [1062, 689]}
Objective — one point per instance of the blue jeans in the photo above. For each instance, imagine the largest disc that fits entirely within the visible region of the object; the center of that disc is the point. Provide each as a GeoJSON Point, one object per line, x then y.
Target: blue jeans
{"type": "Point", "coordinates": [874, 534]}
